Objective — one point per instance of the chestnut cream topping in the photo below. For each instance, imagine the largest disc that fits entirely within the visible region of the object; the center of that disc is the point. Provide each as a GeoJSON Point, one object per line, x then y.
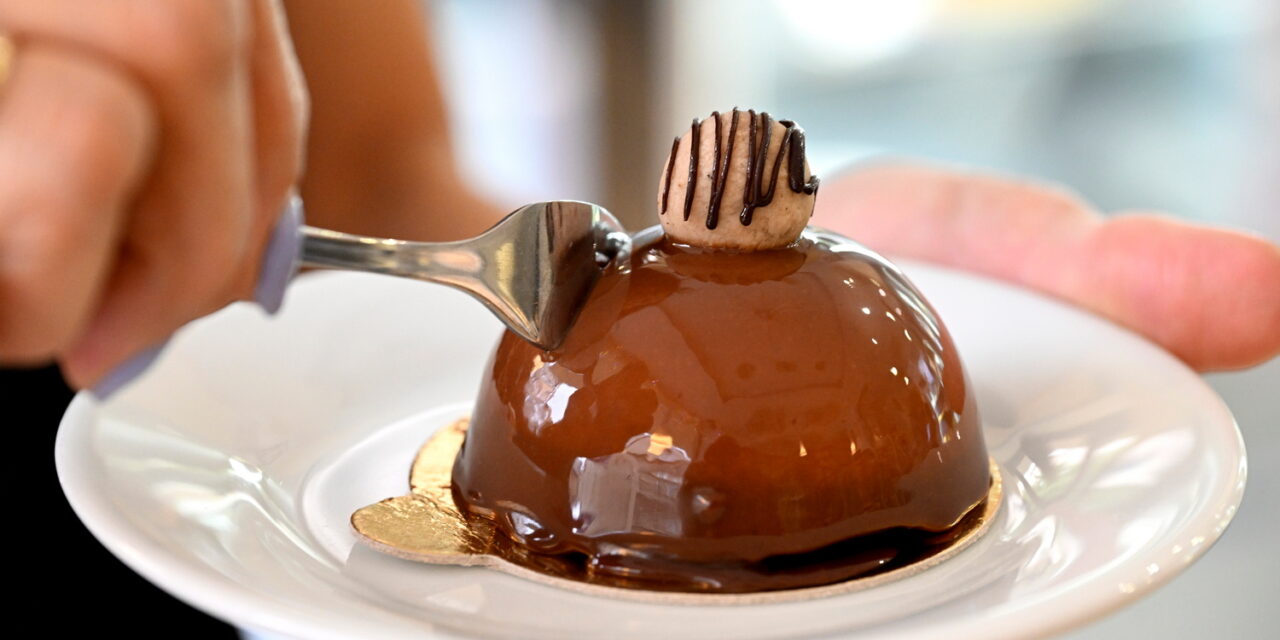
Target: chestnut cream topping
{"type": "Point", "coordinates": [728, 169]}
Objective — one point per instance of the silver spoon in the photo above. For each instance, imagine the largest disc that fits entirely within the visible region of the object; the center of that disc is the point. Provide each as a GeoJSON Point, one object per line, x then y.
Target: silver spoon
{"type": "Point", "coordinates": [534, 269]}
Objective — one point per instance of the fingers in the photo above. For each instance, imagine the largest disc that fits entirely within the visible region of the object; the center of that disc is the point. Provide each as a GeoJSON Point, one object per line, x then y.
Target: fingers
{"type": "Point", "coordinates": [189, 228]}
{"type": "Point", "coordinates": [75, 139]}
{"type": "Point", "coordinates": [231, 106]}
{"type": "Point", "coordinates": [989, 225]}
{"type": "Point", "coordinates": [1211, 296]}
{"type": "Point", "coordinates": [280, 113]}
{"type": "Point", "coordinates": [1207, 295]}
{"type": "Point", "coordinates": [281, 106]}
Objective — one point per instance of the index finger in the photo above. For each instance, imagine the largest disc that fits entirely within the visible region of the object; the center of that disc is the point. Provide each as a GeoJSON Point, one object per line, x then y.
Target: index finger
{"type": "Point", "coordinates": [1210, 296]}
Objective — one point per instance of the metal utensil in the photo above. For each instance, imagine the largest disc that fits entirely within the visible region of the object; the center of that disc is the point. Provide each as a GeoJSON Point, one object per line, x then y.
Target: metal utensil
{"type": "Point", "coordinates": [534, 269]}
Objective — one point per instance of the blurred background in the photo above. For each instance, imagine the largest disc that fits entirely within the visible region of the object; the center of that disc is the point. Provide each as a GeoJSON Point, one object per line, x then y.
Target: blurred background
{"type": "Point", "coordinates": [1168, 105]}
{"type": "Point", "coordinates": [1158, 104]}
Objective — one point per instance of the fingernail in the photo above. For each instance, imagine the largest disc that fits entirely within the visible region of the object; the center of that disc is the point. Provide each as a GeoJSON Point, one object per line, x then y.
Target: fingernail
{"type": "Point", "coordinates": [126, 372]}
{"type": "Point", "coordinates": [280, 262]}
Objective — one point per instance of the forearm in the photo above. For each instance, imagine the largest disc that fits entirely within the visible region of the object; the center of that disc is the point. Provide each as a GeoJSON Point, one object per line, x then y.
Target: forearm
{"type": "Point", "coordinates": [379, 158]}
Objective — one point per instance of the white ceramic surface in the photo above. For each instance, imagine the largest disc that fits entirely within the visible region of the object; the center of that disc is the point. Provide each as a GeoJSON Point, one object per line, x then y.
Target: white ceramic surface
{"type": "Point", "coordinates": [227, 475]}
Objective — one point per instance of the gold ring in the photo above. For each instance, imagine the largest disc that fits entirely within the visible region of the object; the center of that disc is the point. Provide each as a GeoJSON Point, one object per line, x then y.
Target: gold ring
{"type": "Point", "coordinates": [6, 59]}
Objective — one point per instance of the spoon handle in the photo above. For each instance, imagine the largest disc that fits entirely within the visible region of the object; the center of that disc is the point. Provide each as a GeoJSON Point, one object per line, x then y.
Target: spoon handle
{"type": "Point", "coordinates": [451, 263]}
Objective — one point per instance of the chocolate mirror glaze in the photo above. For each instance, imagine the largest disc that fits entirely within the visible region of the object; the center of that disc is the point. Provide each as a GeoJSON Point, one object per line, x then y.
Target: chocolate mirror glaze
{"type": "Point", "coordinates": [796, 418]}
{"type": "Point", "coordinates": [755, 193]}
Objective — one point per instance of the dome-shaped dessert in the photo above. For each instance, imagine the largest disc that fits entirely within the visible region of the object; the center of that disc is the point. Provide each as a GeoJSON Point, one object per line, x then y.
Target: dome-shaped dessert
{"type": "Point", "coordinates": [731, 421]}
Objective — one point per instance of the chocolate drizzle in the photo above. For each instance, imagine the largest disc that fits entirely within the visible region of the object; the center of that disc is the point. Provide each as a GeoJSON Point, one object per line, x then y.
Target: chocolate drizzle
{"type": "Point", "coordinates": [671, 164]}
{"type": "Point", "coordinates": [720, 174]}
{"type": "Point", "coordinates": [694, 152]}
{"type": "Point", "coordinates": [791, 147]}
{"type": "Point", "coordinates": [755, 192]}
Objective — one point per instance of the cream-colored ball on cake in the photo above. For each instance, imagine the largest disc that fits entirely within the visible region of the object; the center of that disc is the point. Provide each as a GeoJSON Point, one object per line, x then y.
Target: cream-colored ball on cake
{"type": "Point", "coordinates": [737, 180]}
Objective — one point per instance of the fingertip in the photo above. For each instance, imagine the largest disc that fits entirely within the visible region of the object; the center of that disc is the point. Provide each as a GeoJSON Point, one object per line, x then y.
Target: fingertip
{"type": "Point", "coordinates": [83, 365]}
{"type": "Point", "coordinates": [1250, 284]}
{"type": "Point", "coordinates": [1210, 296]}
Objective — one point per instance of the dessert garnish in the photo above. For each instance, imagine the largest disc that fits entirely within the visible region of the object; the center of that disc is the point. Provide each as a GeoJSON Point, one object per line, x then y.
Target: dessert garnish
{"type": "Point", "coordinates": [746, 178]}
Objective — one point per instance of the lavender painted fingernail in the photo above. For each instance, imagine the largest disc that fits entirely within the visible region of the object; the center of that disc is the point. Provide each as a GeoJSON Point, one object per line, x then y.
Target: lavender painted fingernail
{"type": "Point", "coordinates": [126, 372]}
{"type": "Point", "coordinates": [280, 262]}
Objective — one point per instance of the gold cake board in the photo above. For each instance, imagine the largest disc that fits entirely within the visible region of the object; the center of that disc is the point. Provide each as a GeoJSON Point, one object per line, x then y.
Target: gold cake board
{"type": "Point", "coordinates": [426, 526]}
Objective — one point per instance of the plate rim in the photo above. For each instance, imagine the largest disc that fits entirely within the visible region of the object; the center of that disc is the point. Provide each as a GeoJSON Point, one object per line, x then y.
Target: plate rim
{"type": "Point", "coordinates": [198, 587]}
{"type": "Point", "coordinates": [201, 587]}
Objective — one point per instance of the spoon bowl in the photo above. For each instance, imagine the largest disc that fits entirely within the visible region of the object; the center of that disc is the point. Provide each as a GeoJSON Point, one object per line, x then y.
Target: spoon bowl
{"type": "Point", "coordinates": [533, 269]}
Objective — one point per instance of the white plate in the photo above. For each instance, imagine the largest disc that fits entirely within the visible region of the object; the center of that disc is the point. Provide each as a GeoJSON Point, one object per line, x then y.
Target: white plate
{"type": "Point", "coordinates": [228, 474]}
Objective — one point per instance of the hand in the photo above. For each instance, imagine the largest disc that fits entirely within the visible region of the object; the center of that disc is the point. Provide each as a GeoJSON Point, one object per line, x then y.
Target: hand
{"type": "Point", "coordinates": [1209, 296]}
{"type": "Point", "coordinates": [145, 151]}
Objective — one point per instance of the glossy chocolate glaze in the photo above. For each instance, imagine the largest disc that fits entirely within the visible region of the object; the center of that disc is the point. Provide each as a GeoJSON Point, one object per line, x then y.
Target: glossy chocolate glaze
{"type": "Point", "coordinates": [731, 422]}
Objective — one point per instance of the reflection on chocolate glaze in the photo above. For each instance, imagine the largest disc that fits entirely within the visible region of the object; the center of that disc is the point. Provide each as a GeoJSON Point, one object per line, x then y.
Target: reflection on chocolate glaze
{"type": "Point", "coordinates": [731, 423]}
{"type": "Point", "coordinates": [756, 193]}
